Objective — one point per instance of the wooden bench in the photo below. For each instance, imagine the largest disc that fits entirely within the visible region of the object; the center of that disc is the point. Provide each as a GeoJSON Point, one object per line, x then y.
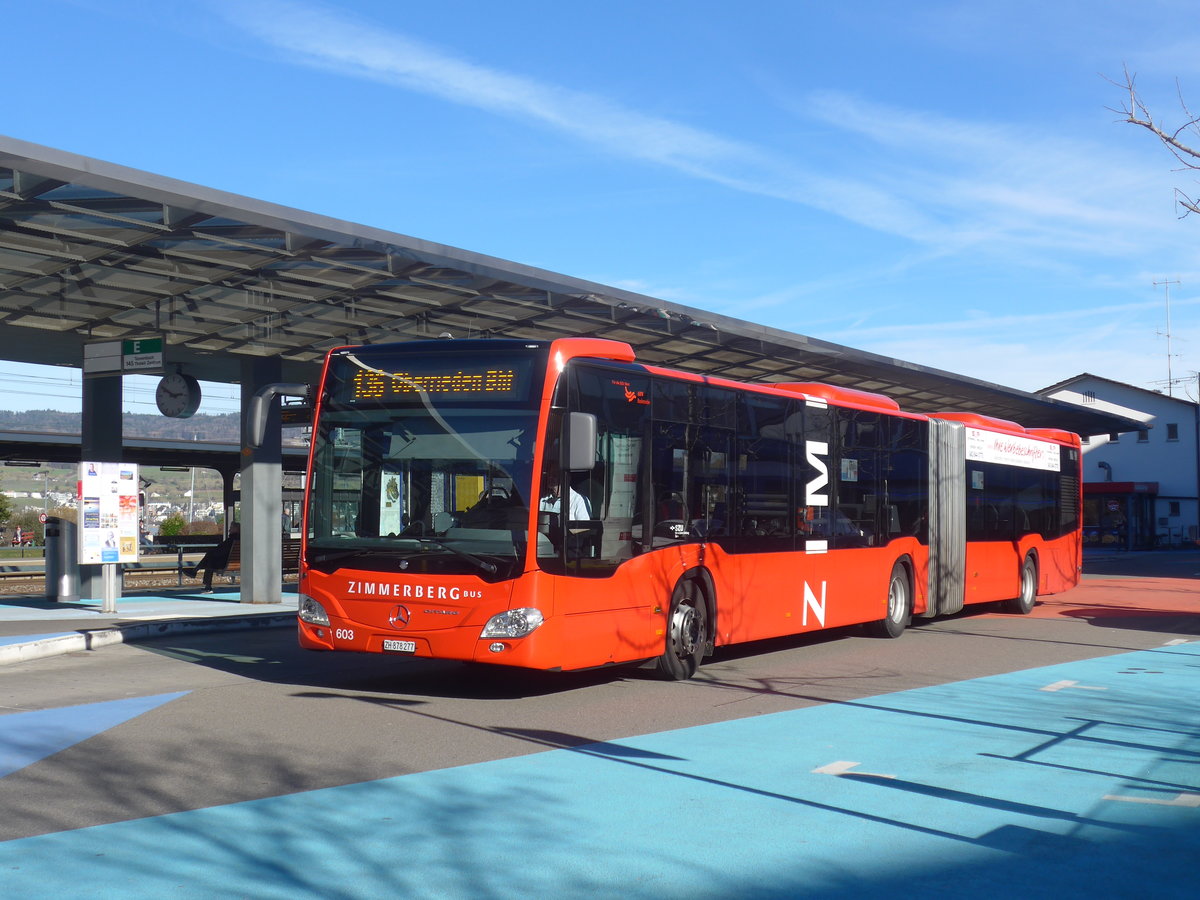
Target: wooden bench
{"type": "Point", "coordinates": [290, 559]}
{"type": "Point", "coordinates": [233, 565]}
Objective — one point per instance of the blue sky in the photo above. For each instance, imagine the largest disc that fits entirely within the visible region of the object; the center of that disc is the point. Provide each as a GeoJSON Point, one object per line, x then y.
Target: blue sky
{"type": "Point", "coordinates": [935, 181]}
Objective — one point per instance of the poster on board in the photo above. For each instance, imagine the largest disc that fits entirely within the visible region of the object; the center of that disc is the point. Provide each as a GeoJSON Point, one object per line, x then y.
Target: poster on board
{"type": "Point", "coordinates": [108, 512]}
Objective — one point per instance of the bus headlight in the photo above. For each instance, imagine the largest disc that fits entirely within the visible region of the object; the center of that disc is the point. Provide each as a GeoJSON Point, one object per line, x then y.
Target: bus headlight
{"type": "Point", "coordinates": [515, 623]}
{"type": "Point", "coordinates": [312, 612]}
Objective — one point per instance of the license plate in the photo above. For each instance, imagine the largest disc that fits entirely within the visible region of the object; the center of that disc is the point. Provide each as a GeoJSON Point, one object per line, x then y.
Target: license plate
{"type": "Point", "coordinates": [401, 646]}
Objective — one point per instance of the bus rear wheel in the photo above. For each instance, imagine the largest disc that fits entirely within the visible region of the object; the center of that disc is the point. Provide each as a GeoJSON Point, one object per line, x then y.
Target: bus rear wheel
{"type": "Point", "coordinates": [899, 605]}
{"type": "Point", "coordinates": [1023, 603]}
{"type": "Point", "coordinates": [687, 632]}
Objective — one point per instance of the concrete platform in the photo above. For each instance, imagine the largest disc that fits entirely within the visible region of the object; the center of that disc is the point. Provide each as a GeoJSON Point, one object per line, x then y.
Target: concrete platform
{"type": "Point", "coordinates": [34, 628]}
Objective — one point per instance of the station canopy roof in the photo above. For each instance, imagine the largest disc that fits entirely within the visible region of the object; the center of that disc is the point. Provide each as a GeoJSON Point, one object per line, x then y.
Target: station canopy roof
{"type": "Point", "coordinates": [92, 251]}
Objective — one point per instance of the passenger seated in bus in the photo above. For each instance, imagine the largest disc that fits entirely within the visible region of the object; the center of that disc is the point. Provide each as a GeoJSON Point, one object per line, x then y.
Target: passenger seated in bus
{"type": "Point", "coordinates": [671, 507]}
{"type": "Point", "coordinates": [813, 521]}
{"type": "Point", "coordinates": [771, 526]}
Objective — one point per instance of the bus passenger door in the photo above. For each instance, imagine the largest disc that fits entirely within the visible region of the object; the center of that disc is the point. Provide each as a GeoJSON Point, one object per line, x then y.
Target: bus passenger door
{"type": "Point", "coordinates": [670, 475]}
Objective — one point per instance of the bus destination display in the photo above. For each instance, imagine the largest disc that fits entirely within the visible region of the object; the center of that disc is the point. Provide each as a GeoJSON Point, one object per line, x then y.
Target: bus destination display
{"type": "Point", "coordinates": [408, 380]}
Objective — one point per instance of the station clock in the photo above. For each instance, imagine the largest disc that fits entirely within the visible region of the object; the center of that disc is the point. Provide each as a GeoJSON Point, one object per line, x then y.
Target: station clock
{"type": "Point", "coordinates": [178, 395]}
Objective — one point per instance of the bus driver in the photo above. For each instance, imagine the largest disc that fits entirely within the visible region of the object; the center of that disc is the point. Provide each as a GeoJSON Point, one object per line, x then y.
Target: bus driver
{"type": "Point", "coordinates": [579, 509]}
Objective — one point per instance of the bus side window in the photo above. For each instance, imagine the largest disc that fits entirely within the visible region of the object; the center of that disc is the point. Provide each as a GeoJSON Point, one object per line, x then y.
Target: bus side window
{"type": "Point", "coordinates": [857, 521]}
{"type": "Point", "coordinates": [619, 399]}
{"type": "Point", "coordinates": [761, 504]}
{"type": "Point", "coordinates": [904, 474]}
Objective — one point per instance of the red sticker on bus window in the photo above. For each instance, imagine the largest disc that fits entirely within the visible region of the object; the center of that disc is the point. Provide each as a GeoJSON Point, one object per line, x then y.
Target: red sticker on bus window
{"type": "Point", "coordinates": [632, 396]}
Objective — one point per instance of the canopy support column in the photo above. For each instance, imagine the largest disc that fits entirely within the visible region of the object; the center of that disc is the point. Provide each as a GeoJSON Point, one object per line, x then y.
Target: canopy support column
{"type": "Point", "coordinates": [262, 492]}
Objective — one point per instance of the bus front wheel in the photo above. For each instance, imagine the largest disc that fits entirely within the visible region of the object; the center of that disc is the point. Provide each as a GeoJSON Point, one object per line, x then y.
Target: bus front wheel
{"type": "Point", "coordinates": [687, 632]}
{"type": "Point", "coordinates": [1023, 603]}
{"type": "Point", "coordinates": [899, 605]}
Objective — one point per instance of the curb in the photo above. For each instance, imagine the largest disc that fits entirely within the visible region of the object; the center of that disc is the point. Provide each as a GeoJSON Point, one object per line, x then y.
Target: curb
{"type": "Point", "coordinates": [94, 639]}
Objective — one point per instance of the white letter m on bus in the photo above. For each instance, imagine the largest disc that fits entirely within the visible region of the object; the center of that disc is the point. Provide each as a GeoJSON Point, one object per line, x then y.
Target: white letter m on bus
{"type": "Point", "coordinates": [812, 497]}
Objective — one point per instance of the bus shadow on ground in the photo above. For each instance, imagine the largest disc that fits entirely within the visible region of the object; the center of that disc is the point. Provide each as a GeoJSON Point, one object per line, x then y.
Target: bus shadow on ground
{"type": "Point", "coordinates": [1163, 621]}
{"type": "Point", "coordinates": [1143, 564]}
{"type": "Point", "coordinates": [273, 656]}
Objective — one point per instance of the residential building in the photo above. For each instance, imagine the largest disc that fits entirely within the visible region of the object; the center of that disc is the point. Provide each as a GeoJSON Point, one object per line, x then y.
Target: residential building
{"type": "Point", "coordinates": [1140, 489]}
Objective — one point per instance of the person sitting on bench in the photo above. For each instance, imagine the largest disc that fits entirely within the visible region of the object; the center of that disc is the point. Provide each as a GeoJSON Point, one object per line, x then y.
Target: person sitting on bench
{"type": "Point", "coordinates": [215, 558]}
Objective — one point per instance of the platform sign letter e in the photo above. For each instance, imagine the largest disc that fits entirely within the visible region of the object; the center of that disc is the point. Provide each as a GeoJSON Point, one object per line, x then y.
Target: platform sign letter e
{"type": "Point", "coordinates": [142, 354]}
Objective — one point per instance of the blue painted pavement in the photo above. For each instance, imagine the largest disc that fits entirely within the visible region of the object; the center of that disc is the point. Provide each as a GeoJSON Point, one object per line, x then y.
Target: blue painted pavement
{"type": "Point", "coordinates": [29, 638]}
{"type": "Point", "coordinates": [1076, 780]}
{"type": "Point", "coordinates": [26, 737]}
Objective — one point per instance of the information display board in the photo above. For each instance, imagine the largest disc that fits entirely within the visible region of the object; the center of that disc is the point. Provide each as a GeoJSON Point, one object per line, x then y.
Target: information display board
{"type": "Point", "coordinates": [1012, 450]}
{"type": "Point", "coordinates": [108, 512]}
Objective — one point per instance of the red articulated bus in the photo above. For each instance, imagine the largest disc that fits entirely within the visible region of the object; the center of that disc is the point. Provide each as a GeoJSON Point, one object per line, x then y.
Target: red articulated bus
{"type": "Point", "coordinates": [557, 505]}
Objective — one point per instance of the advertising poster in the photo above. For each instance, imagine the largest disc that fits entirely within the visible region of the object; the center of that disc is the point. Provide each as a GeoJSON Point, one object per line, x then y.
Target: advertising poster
{"type": "Point", "coordinates": [108, 512]}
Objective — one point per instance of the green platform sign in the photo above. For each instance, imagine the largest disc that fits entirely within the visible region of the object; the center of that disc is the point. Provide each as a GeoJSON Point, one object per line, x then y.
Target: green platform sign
{"type": "Point", "coordinates": [144, 355]}
{"type": "Point", "coordinates": [129, 356]}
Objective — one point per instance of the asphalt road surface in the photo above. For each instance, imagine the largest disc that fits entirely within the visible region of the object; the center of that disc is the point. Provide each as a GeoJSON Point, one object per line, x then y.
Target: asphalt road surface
{"type": "Point", "coordinates": [239, 716]}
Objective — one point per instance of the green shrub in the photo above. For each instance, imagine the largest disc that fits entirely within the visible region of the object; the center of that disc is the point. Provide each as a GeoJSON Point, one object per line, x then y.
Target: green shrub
{"type": "Point", "coordinates": [172, 526]}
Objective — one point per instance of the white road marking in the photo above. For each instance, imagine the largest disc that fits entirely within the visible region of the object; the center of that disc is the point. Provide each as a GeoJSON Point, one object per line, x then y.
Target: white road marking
{"type": "Point", "coordinates": [1059, 685]}
{"type": "Point", "coordinates": [1189, 800]}
{"type": "Point", "coordinates": [843, 767]}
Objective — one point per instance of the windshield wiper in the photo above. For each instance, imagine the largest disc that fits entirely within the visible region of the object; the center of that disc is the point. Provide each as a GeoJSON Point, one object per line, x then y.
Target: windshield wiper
{"type": "Point", "coordinates": [325, 556]}
{"type": "Point", "coordinates": [338, 555]}
{"type": "Point", "coordinates": [488, 567]}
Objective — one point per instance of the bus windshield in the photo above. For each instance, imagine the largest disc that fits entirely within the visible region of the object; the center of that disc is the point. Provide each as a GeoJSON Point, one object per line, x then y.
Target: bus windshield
{"type": "Point", "coordinates": [424, 462]}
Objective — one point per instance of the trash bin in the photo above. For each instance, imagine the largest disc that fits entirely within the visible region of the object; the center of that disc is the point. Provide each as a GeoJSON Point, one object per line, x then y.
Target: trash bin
{"type": "Point", "coordinates": [62, 560]}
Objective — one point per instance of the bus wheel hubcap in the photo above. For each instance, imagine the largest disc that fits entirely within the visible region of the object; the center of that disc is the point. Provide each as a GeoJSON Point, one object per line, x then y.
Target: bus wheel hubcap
{"type": "Point", "coordinates": [684, 626]}
{"type": "Point", "coordinates": [896, 601]}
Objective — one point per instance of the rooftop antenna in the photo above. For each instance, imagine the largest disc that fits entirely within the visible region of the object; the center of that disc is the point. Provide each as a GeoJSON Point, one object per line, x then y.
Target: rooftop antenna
{"type": "Point", "coordinates": [1166, 286]}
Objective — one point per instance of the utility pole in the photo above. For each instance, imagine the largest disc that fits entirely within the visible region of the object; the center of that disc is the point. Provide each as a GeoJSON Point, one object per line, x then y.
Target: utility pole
{"type": "Point", "coordinates": [1166, 286]}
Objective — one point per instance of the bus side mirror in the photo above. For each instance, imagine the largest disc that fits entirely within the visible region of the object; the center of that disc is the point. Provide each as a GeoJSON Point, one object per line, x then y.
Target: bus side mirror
{"type": "Point", "coordinates": [581, 446]}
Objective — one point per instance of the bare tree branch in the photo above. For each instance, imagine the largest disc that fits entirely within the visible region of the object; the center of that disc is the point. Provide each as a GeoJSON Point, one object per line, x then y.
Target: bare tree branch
{"type": "Point", "coordinates": [1176, 140]}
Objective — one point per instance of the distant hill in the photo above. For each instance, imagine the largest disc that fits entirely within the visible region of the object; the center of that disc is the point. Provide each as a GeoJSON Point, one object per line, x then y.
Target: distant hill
{"type": "Point", "coordinates": [223, 428]}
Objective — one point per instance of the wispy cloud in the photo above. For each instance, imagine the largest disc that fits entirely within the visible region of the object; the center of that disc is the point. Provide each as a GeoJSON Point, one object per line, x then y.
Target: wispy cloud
{"type": "Point", "coordinates": [1030, 351]}
{"type": "Point", "coordinates": [986, 322]}
{"type": "Point", "coordinates": [989, 182]}
{"type": "Point", "coordinates": [331, 39]}
{"type": "Point", "coordinates": [944, 184]}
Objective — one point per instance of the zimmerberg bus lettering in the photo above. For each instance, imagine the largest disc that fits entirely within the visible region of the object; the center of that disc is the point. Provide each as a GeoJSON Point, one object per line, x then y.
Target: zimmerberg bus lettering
{"type": "Point", "coordinates": [411, 591]}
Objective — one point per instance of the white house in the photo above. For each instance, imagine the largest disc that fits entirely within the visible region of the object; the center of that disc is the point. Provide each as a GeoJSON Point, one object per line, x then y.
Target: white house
{"type": "Point", "coordinates": [1140, 490]}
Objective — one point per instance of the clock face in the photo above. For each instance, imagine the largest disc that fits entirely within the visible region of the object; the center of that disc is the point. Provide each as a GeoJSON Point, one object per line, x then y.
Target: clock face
{"type": "Point", "coordinates": [178, 395]}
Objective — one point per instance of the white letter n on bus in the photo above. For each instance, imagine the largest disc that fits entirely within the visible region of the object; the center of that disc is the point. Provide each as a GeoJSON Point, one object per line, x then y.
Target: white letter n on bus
{"type": "Point", "coordinates": [810, 602]}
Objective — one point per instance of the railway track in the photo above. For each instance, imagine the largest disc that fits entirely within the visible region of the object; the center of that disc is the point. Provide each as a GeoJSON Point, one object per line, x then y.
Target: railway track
{"type": "Point", "coordinates": [34, 583]}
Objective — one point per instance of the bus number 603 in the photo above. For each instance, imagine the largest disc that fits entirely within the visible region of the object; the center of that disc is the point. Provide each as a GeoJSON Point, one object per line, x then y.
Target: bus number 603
{"type": "Point", "coordinates": [344, 634]}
